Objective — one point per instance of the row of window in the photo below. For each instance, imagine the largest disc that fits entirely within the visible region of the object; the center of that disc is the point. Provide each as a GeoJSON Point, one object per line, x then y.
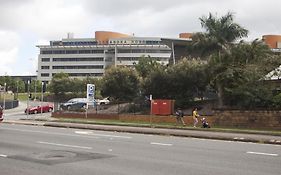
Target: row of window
{"type": "Point", "coordinates": [70, 51]}
{"type": "Point", "coordinates": [79, 67]}
{"type": "Point", "coordinates": [134, 42]}
{"type": "Point", "coordinates": [75, 74]}
{"type": "Point", "coordinates": [77, 59]}
{"type": "Point", "coordinates": [137, 58]}
{"type": "Point", "coordinates": [143, 51]}
{"type": "Point", "coordinates": [73, 43]}
{"type": "Point", "coordinates": [102, 51]}
{"type": "Point", "coordinates": [71, 59]}
{"type": "Point", "coordinates": [94, 59]}
{"type": "Point", "coordinates": [74, 67]}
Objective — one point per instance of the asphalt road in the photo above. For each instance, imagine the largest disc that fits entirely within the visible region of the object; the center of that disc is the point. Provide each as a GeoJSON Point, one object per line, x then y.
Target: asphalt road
{"type": "Point", "coordinates": [18, 112]}
{"type": "Point", "coordinates": [33, 150]}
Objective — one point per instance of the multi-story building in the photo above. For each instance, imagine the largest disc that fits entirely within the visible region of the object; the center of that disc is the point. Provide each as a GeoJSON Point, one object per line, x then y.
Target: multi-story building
{"type": "Point", "coordinates": [274, 42]}
{"type": "Point", "coordinates": [82, 57]}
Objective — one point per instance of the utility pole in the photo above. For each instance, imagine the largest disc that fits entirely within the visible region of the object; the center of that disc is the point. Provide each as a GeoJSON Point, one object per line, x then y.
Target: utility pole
{"type": "Point", "coordinates": [4, 97]}
{"type": "Point", "coordinates": [42, 98]}
{"type": "Point", "coordinates": [28, 94]}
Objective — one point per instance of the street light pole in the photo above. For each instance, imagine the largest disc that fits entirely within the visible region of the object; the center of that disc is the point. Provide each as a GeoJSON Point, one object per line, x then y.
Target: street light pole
{"type": "Point", "coordinates": [42, 98]}
{"type": "Point", "coordinates": [17, 90]}
{"type": "Point", "coordinates": [4, 97]}
{"type": "Point", "coordinates": [28, 93]}
{"type": "Point", "coordinates": [35, 81]}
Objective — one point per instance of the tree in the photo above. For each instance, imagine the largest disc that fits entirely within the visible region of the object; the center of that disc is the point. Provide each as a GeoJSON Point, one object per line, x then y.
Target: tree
{"type": "Point", "coordinates": [158, 84]}
{"type": "Point", "coordinates": [244, 84]}
{"type": "Point", "coordinates": [60, 84]}
{"type": "Point", "coordinates": [146, 65]}
{"type": "Point", "coordinates": [182, 82]}
{"type": "Point", "coordinates": [217, 41]}
{"type": "Point", "coordinates": [120, 83]}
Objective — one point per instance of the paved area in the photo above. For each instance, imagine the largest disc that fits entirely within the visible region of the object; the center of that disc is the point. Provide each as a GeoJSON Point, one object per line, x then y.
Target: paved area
{"type": "Point", "coordinates": [46, 120]}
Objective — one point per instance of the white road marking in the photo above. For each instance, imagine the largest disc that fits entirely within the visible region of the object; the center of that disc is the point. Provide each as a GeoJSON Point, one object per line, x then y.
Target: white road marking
{"type": "Point", "coordinates": [71, 146]}
{"type": "Point", "coordinates": [46, 132]}
{"type": "Point", "coordinates": [3, 155]}
{"type": "Point", "coordinates": [101, 135]}
{"type": "Point", "coordinates": [83, 132]}
{"type": "Point", "coordinates": [260, 153]}
{"type": "Point", "coordinates": [162, 144]}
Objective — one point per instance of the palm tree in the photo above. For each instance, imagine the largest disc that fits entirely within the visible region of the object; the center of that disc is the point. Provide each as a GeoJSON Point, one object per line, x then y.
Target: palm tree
{"type": "Point", "coordinates": [217, 41]}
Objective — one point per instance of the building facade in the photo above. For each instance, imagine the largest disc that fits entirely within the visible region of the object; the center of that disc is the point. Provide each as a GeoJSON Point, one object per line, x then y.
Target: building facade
{"type": "Point", "coordinates": [82, 57]}
{"type": "Point", "coordinates": [274, 42]}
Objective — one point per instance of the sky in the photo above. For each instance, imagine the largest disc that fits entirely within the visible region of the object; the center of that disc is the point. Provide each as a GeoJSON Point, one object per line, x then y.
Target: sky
{"type": "Point", "coordinates": [27, 23]}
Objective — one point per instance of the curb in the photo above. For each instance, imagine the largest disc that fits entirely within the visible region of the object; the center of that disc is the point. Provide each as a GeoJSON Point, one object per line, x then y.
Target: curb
{"type": "Point", "coordinates": [254, 138]}
{"type": "Point", "coordinates": [168, 132]}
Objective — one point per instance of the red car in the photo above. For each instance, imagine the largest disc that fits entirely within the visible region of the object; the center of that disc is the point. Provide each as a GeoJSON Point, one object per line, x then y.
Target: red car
{"type": "Point", "coordinates": [38, 109]}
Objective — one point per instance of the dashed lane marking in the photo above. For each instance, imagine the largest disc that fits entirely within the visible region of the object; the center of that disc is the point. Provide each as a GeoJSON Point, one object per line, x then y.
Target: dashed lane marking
{"type": "Point", "coordinates": [3, 155]}
{"type": "Point", "coordinates": [260, 153]}
{"type": "Point", "coordinates": [64, 145]}
{"type": "Point", "coordinates": [101, 135]}
{"type": "Point", "coordinates": [161, 144]}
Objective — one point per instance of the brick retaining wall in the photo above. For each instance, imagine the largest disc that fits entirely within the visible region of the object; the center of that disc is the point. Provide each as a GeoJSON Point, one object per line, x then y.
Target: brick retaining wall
{"type": "Point", "coordinates": [231, 118]}
{"type": "Point", "coordinates": [248, 119]}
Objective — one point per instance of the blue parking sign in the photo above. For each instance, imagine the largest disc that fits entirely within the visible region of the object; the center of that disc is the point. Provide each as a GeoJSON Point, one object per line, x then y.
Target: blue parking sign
{"type": "Point", "coordinates": [90, 92]}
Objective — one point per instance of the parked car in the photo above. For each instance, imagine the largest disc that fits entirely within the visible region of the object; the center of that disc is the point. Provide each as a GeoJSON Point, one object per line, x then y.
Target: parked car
{"type": "Point", "coordinates": [104, 101]}
{"type": "Point", "coordinates": [38, 109]}
{"type": "Point", "coordinates": [74, 104]}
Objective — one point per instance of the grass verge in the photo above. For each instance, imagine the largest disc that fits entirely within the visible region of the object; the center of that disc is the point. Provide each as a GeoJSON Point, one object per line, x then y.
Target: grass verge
{"type": "Point", "coordinates": [168, 126]}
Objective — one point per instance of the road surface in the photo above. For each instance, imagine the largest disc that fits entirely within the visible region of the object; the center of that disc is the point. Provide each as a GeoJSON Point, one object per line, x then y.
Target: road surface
{"type": "Point", "coordinates": [34, 150]}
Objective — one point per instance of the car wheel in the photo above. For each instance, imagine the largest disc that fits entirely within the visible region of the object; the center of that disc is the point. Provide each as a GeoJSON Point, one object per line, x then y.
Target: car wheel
{"type": "Point", "coordinates": [50, 109]}
{"type": "Point", "coordinates": [35, 111]}
{"type": "Point", "coordinates": [68, 107]}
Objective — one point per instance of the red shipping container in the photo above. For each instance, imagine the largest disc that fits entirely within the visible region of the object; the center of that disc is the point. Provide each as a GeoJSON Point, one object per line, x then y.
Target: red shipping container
{"type": "Point", "coordinates": [162, 107]}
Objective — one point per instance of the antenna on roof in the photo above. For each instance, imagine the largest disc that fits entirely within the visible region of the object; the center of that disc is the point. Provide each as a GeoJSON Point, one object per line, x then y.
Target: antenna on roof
{"type": "Point", "coordinates": [70, 35]}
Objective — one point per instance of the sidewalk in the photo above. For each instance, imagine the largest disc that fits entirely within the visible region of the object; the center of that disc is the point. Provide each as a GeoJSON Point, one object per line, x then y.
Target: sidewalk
{"type": "Point", "coordinates": [185, 132]}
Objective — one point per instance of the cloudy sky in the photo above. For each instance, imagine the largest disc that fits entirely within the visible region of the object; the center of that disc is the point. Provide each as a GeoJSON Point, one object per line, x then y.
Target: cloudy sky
{"type": "Point", "coordinates": [27, 23]}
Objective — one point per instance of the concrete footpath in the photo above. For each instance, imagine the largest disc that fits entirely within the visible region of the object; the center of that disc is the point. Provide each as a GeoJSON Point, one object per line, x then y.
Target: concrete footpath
{"type": "Point", "coordinates": [185, 132]}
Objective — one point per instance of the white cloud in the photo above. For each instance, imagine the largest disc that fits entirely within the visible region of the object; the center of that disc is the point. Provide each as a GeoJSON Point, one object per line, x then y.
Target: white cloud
{"type": "Point", "coordinates": [34, 22]}
{"type": "Point", "coordinates": [9, 44]}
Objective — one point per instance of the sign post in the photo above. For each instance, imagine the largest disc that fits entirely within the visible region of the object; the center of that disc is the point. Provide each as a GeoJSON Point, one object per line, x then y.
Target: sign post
{"type": "Point", "coordinates": [90, 96]}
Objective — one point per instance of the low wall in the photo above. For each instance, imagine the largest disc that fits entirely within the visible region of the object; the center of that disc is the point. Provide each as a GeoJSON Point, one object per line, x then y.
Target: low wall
{"type": "Point", "coordinates": [248, 119]}
{"type": "Point", "coordinates": [234, 119]}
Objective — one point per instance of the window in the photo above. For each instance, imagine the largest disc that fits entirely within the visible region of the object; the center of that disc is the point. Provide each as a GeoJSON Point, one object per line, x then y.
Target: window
{"type": "Point", "coordinates": [84, 51]}
{"type": "Point", "coordinates": [46, 52]}
{"type": "Point", "coordinates": [45, 59]}
{"type": "Point", "coordinates": [45, 74]}
{"type": "Point", "coordinates": [45, 67]}
{"type": "Point", "coordinates": [71, 51]}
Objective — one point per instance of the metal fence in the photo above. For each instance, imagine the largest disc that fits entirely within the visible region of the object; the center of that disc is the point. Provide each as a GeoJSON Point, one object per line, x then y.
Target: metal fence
{"type": "Point", "coordinates": [10, 104]}
{"type": "Point", "coordinates": [112, 108]}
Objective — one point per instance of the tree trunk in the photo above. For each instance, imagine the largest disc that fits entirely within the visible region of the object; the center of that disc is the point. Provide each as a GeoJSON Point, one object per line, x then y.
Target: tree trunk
{"type": "Point", "coordinates": [220, 95]}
